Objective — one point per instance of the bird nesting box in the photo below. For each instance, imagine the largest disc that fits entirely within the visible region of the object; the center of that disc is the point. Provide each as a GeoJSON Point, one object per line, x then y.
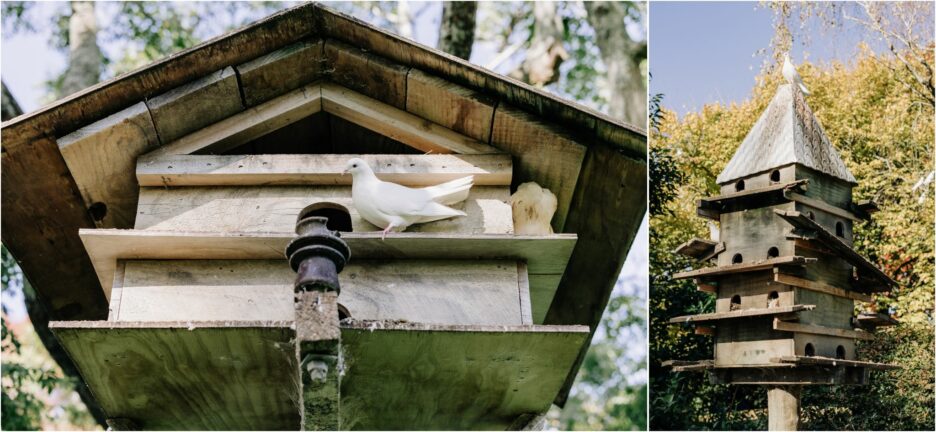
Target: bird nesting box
{"type": "Point", "coordinates": [786, 277]}
{"type": "Point", "coordinates": [178, 187]}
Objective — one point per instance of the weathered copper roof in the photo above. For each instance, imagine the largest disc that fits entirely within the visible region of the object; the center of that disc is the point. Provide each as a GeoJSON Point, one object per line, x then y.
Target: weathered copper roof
{"type": "Point", "coordinates": [786, 133]}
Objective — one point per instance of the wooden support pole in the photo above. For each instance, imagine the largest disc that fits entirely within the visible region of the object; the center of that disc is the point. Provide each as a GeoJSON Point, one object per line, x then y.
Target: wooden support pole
{"type": "Point", "coordinates": [317, 345]}
{"type": "Point", "coordinates": [783, 404]}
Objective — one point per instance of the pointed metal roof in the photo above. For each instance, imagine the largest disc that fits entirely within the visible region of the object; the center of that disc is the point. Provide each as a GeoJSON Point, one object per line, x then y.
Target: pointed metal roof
{"type": "Point", "coordinates": [786, 133]}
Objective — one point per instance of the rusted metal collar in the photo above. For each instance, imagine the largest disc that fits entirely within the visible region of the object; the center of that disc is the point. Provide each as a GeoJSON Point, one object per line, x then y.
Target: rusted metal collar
{"type": "Point", "coordinates": [317, 255]}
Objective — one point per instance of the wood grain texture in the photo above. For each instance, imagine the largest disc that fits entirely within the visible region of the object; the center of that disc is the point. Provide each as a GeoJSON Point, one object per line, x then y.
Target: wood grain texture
{"type": "Point", "coordinates": [365, 73]}
{"type": "Point", "coordinates": [783, 406]}
{"type": "Point", "coordinates": [246, 126]}
{"type": "Point", "coordinates": [744, 313]}
{"type": "Point", "coordinates": [405, 376]}
{"type": "Point", "coordinates": [42, 212]}
{"type": "Point", "coordinates": [460, 109]}
{"type": "Point", "coordinates": [819, 330]}
{"type": "Point", "coordinates": [101, 157]}
{"type": "Point", "coordinates": [326, 169]}
{"type": "Point", "coordinates": [542, 153]}
{"type": "Point", "coordinates": [750, 341]}
{"type": "Point", "coordinates": [190, 107]}
{"type": "Point", "coordinates": [397, 124]}
{"type": "Point", "coordinates": [280, 71]}
{"type": "Point", "coordinates": [523, 286]}
{"type": "Point", "coordinates": [438, 292]}
{"type": "Point", "coordinates": [819, 287]}
{"type": "Point", "coordinates": [189, 375]}
{"type": "Point", "coordinates": [745, 267]}
{"type": "Point", "coordinates": [543, 254]}
{"type": "Point", "coordinates": [275, 209]}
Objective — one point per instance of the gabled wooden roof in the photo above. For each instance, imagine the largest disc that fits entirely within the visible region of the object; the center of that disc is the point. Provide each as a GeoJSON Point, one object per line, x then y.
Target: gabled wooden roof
{"type": "Point", "coordinates": [595, 165]}
{"type": "Point", "coordinates": [786, 133]}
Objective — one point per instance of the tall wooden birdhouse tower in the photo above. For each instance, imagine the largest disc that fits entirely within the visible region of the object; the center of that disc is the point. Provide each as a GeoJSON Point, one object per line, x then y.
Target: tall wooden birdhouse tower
{"type": "Point", "coordinates": [785, 277]}
{"type": "Point", "coordinates": [163, 217]}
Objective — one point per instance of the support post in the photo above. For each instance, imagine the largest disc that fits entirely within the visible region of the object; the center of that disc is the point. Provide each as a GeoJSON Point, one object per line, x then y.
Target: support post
{"type": "Point", "coordinates": [783, 404]}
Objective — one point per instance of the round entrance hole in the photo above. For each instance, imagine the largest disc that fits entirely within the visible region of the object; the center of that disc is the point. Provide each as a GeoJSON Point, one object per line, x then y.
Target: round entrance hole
{"type": "Point", "coordinates": [737, 259]}
{"type": "Point", "coordinates": [773, 252]}
{"type": "Point", "coordinates": [775, 176]}
{"type": "Point", "coordinates": [840, 352]}
{"type": "Point", "coordinates": [810, 350]}
{"type": "Point", "coordinates": [840, 229]}
{"type": "Point", "coordinates": [739, 186]}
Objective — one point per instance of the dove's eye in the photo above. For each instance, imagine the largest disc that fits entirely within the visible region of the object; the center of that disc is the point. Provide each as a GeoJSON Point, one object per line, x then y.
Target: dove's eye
{"type": "Point", "coordinates": [354, 166]}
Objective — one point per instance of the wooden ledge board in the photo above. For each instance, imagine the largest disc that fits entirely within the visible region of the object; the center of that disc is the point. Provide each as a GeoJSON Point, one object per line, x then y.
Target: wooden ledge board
{"type": "Point", "coordinates": [827, 361]}
{"type": "Point", "coordinates": [440, 377]}
{"type": "Point", "coordinates": [544, 255]}
{"type": "Point", "coordinates": [745, 267]}
{"type": "Point", "coordinates": [743, 313]}
{"type": "Point", "coordinates": [833, 242]}
{"type": "Point", "coordinates": [188, 375]}
{"type": "Point", "coordinates": [696, 247]}
{"type": "Point", "coordinates": [712, 207]}
{"type": "Point", "coordinates": [820, 330]}
{"type": "Point", "coordinates": [820, 205]}
{"type": "Point", "coordinates": [818, 287]}
{"type": "Point", "coordinates": [261, 170]}
{"type": "Point", "coordinates": [876, 320]}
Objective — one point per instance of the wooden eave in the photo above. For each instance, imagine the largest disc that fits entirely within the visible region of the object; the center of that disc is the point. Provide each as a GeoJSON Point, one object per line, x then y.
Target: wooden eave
{"type": "Point", "coordinates": [865, 268]}
{"type": "Point", "coordinates": [45, 210]}
{"type": "Point", "coordinates": [827, 361]}
{"type": "Point", "coordinates": [745, 267]}
{"type": "Point", "coordinates": [713, 207]}
{"type": "Point", "coordinates": [871, 321]}
{"type": "Point", "coordinates": [742, 313]}
{"type": "Point", "coordinates": [700, 249]}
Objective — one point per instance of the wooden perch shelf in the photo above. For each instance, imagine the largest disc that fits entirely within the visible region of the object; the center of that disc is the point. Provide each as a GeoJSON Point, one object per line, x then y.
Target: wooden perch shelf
{"type": "Point", "coordinates": [817, 286]}
{"type": "Point", "coordinates": [744, 313]}
{"type": "Point", "coordinates": [801, 221]}
{"type": "Point", "coordinates": [871, 321]}
{"type": "Point", "coordinates": [701, 249]}
{"type": "Point", "coordinates": [745, 267]}
{"type": "Point", "coordinates": [827, 361]}
{"type": "Point", "coordinates": [713, 207]}
{"type": "Point", "coordinates": [294, 169]}
{"type": "Point", "coordinates": [544, 255]}
{"type": "Point", "coordinates": [781, 325]}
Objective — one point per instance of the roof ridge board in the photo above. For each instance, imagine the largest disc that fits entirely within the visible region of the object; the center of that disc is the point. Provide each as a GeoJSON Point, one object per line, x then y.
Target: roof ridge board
{"type": "Point", "coordinates": [117, 93]}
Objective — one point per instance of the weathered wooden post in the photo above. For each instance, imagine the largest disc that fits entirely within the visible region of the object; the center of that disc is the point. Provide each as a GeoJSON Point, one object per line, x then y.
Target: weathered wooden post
{"type": "Point", "coordinates": [786, 277]}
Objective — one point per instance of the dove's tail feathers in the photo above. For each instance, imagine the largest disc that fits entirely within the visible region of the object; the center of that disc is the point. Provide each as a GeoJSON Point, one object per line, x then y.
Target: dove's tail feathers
{"type": "Point", "coordinates": [802, 88]}
{"type": "Point", "coordinates": [452, 192]}
{"type": "Point", "coordinates": [435, 211]}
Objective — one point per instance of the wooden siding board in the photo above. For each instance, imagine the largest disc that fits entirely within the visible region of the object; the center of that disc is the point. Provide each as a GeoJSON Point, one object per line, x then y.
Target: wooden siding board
{"type": "Point", "coordinates": [365, 73]}
{"type": "Point", "coordinates": [458, 108]}
{"type": "Point", "coordinates": [101, 158]}
{"type": "Point", "coordinates": [280, 71]}
{"type": "Point", "coordinates": [196, 105]}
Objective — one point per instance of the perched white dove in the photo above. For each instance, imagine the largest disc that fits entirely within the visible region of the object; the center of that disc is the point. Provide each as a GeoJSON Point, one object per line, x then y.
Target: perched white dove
{"type": "Point", "coordinates": [533, 208]}
{"type": "Point", "coordinates": [791, 75]}
{"type": "Point", "coordinates": [391, 206]}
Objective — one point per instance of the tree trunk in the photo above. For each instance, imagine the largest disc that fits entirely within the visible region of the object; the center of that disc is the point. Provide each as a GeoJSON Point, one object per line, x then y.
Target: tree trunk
{"type": "Point", "coordinates": [457, 31]}
{"type": "Point", "coordinates": [11, 108]}
{"type": "Point", "coordinates": [84, 56]}
{"type": "Point", "coordinates": [546, 53]}
{"type": "Point", "coordinates": [624, 85]}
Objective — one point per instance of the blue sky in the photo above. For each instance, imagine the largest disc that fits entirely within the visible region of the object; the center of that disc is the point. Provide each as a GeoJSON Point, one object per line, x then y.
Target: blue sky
{"type": "Point", "coordinates": [707, 52]}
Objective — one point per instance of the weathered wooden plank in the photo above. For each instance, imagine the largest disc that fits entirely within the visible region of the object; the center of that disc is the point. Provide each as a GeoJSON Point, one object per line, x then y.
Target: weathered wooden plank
{"type": "Point", "coordinates": [783, 406]}
{"type": "Point", "coordinates": [413, 376]}
{"type": "Point", "coordinates": [760, 375]}
{"type": "Point", "coordinates": [821, 205]}
{"type": "Point", "coordinates": [811, 329]}
{"type": "Point", "coordinates": [280, 71]}
{"type": "Point", "coordinates": [712, 207]}
{"type": "Point", "coordinates": [750, 341]}
{"type": "Point", "coordinates": [543, 153]}
{"type": "Point", "coordinates": [189, 375]}
{"type": "Point", "coordinates": [609, 205]}
{"type": "Point", "coordinates": [42, 212]}
{"type": "Point", "coordinates": [438, 291]}
{"type": "Point", "coordinates": [397, 124]}
{"type": "Point", "coordinates": [116, 296]}
{"type": "Point", "coordinates": [696, 247]}
{"type": "Point", "coordinates": [871, 321]}
{"type": "Point", "coordinates": [275, 208]}
{"type": "Point", "coordinates": [542, 294]}
{"type": "Point", "coordinates": [190, 107]}
{"type": "Point", "coordinates": [543, 254]}
{"type": "Point", "coordinates": [460, 109]}
{"type": "Point", "coordinates": [101, 156]}
{"type": "Point", "coordinates": [819, 287]}
{"type": "Point", "coordinates": [326, 169]}
{"type": "Point", "coordinates": [365, 73]}
{"type": "Point", "coordinates": [246, 126]}
{"type": "Point", "coordinates": [688, 365]}
{"type": "Point", "coordinates": [743, 313]}
{"type": "Point", "coordinates": [745, 267]}
{"type": "Point", "coordinates": [755, 291]}
{"type": "Point", "coordinates": [827, 361]}
{"type": "Point", "coordinates": [523, 286]}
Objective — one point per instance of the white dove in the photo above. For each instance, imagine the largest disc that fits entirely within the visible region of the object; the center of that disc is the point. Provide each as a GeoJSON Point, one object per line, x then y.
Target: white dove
{"type": "Point", "coordinates": [791, 75]}
{"type": "Point", "coordinates": [392, 206]}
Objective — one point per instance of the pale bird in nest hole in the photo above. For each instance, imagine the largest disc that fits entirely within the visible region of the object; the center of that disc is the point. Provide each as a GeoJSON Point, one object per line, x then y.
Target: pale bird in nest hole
{"type": "Point", "coordinates": [533, 208]}
{"type": "Point", "coordinates": [394, 207]}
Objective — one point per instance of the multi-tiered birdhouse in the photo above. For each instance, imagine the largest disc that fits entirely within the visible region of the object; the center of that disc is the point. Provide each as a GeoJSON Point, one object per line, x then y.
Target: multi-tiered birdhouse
{"type": "Point", "coordinates": [785, 277]}
{"type": "Point", "coordinates": [163, 217]}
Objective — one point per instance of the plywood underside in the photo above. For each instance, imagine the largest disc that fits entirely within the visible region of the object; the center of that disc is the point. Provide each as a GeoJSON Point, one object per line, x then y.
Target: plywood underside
{"type": "Point", "coordinates": [448, 379]}
{"type": "Point", "coordinates": [544, 255]}
{"type": "Point", "coordinates": [242, 375]}
{"type": "Point", "coordinates": [188, 375]}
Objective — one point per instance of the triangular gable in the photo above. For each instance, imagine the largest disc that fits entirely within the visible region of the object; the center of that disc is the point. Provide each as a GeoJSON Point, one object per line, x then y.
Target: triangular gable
{"type": "Point", "coordinates": [786, 133]}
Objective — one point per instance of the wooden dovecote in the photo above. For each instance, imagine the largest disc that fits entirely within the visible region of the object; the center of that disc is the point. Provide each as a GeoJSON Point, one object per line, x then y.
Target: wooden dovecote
{"type": "Point", "coordinates": [785, 277]}
{"type": "Point", "coordinates": [173, 191]}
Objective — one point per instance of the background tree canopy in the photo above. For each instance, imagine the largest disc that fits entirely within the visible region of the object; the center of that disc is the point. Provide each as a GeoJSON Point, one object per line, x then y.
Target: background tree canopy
{"type": "Point", "coordinates": [880, 119]}
{"type": "Point", "coordinates": [593, 53]}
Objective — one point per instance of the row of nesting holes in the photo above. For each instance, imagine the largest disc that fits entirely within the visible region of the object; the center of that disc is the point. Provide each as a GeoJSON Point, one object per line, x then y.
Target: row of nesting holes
{"type": "Point", "coordinates": [773, 252]}
{"type": "Point", "coordinates": [736, 300]}
{"type": "Point", "coordinates": [810, 351]}
{"type": "Point", "coordinates": [774, 177]}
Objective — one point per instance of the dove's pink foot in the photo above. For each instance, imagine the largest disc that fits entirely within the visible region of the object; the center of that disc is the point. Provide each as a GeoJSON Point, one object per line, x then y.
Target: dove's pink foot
{"type": "Point", "coordinates": [383, 236]}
